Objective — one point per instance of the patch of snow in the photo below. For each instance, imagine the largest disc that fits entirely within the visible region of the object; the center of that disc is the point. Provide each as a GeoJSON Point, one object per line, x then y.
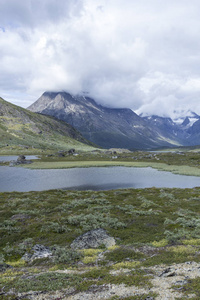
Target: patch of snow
{"type": "Point", "coordinates": [178, 121]}
{"type": "Point", "coordinates": [192, 121]}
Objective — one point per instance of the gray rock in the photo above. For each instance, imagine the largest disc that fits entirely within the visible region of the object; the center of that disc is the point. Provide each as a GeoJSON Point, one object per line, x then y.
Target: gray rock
{"type": "Point", "coordinates": [27, 257]}
{"type": "Point", "coordinates": [61, 154]}
{"type": "Point", "coordinates": [12, 163]}
{"type": "Point", "coordinates": [71, 151]}
{"type": "Point", "coordinates": [93, 239]}
{"type": "Point", "coordinates": [167, 273]}
{"type": "Point", "coordinates": [38, 251]}
{"type": "Point", "coordinates": [21, 158]}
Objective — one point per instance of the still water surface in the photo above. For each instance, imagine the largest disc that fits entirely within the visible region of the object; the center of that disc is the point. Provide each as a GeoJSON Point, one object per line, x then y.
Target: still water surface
{"type": "Point", "coordinates": [15, 157]}
{"type": "Point", "coordinates": [101, 178]}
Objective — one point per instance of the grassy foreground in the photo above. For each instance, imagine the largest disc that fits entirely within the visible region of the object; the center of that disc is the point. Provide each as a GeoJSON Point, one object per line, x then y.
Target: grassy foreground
{"type": "Point", "coordinates": [152, 228]}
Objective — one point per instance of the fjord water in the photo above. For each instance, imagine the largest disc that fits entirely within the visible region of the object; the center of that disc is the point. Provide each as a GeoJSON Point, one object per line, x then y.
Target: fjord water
{"type": "Point", "coordinates": [101, 178]}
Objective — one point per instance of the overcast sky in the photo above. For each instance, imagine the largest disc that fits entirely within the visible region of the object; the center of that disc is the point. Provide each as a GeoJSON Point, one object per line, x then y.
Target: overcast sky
{"type": "Point", "coordinates": [143, 54]}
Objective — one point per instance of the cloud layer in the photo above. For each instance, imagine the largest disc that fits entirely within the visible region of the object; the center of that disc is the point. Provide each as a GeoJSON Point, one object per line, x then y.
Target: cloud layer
{"type": "Point", "coordinates": [138, 54]}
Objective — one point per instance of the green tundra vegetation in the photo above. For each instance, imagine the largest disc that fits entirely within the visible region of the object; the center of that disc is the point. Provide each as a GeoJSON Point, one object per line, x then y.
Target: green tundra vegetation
{"type": "Point", "coordinates": [151, 227]}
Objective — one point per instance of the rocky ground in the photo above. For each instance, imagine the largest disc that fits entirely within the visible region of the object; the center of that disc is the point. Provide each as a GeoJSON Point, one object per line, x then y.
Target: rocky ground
{"type": "Point", "coordinates": [167, 283]}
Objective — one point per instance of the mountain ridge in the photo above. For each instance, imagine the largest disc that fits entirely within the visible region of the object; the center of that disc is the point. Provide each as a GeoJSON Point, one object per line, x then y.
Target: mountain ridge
{"type": "Point", "coordinates": [186, 129]}
{"type": "Point", "coordinates": [106, 127]}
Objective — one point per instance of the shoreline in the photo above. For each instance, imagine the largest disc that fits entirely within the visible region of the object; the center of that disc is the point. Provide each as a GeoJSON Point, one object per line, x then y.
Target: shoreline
{"type": "Point", "coordinates": [175, 169]}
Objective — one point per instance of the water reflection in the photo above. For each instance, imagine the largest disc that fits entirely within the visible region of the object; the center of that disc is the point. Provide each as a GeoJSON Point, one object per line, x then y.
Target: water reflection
{"type": "Point", "coordinates": [102, 178]}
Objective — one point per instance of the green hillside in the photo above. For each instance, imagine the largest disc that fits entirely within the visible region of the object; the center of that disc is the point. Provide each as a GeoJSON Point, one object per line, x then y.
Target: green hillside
{"type": "Point", "coordinates": [22, 130]}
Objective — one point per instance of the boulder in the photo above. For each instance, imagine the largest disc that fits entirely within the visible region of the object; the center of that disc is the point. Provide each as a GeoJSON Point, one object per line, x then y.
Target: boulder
{"type": "Point", "coordinates": [21, 158]}
{"type": "Point", "coordinates": [12, 163]}
{"type": "Point", "coordinates": [61, 154]}
{"type": "Point", "coordinates": [38, 251]}
{"type": "Point", "coordinates": [71, 151]}
{"type": "Point", "coordinates": [93, 239]}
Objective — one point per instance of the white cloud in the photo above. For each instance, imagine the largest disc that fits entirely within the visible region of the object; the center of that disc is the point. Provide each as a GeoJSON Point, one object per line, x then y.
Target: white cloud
{"type": "Point", "coordinates": [138, 54]}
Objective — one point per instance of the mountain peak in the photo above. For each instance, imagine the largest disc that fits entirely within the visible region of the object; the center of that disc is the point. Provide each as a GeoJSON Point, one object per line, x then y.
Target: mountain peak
{"type": "Point", "coordinates": [104, 126]}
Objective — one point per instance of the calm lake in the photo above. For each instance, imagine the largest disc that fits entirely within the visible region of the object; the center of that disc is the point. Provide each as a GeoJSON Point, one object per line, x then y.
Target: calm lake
{"type": "Point", "coordinates": [14, 157]}
{"type": "Point", "coordinates": [101, 178]}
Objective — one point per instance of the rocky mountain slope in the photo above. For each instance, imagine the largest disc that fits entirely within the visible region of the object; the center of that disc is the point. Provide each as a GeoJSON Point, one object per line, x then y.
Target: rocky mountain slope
{"type": "Point", "coordinates": [24, 129]}
{"type": "Point", "coordinates": [186, 130]}
{"type": "Point", "coordinates": [106, 127]}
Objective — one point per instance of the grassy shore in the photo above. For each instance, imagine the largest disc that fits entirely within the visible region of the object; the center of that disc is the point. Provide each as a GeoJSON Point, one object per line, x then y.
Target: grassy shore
{"type": "Point", "coordinates": [185, 163]}
{"type": "Point", "coordinates": [184, 170]}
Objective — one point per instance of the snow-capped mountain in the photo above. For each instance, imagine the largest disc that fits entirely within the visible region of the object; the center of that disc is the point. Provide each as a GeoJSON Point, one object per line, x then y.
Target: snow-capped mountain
{"type": "Point", "coordinates": [186, 121]}
{"type": "Point", "coordinates": [186, 128]}
{"type": "Point", "coordinates": [119, 128]}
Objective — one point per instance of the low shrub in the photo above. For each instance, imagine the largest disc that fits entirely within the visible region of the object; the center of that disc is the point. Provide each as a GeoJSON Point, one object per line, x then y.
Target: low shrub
{"type": "Point", "coordinates": [179, 234]}
{"type": "Point", "coordinates": [126, 265]}
{"type": "Point", "coordinates": [161, 243]}
{"type": "Point", "coordinates": [18, 263]}
{"type": "Point", "coordinates": [9, 226]}
{"type": "Point", "coordinates": [55, 227]}
{"type": "Point", "coordinates": [96, 220]}
{"type": "Point", "coordinates": [90, 255]}
{"type": "Point", "coordinates": [122, 253]}
{"type": "Point", "coordinates": [180, 249]}
{"type": "Point", "coordinates": [65, 255]}
{"type": "Point", "coordinates": [166, 195]}
{"type": "Point", "coordinates": [195, 242]}
{"type": "Point", "coordinates": [2, 258]}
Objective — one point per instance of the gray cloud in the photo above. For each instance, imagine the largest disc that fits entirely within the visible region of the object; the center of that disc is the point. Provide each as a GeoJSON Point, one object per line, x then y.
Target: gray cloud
{"type": "Point", "coordinates": [34, 13]}
{"type": "Point", "coordinates": [138, 54]}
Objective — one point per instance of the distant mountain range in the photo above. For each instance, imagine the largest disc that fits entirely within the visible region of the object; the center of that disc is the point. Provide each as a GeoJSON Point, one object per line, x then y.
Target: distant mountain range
{"type": "Point", "coordinates": [21, 128]}
{"type": "Point", "coordinates": [116, 127]}
{"type": "Point", "coordinates": [186, 129]}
